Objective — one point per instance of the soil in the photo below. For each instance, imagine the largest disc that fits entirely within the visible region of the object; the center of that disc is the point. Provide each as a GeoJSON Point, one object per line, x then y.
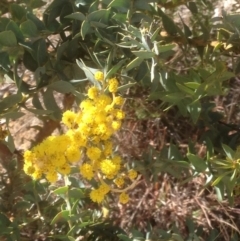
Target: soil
{"type": "Point", "coordinates": [148, 205]}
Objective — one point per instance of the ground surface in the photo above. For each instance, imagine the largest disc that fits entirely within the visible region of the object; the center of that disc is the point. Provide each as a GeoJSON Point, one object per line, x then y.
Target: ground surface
{"type": "Point", "coordinates": [166, 201]}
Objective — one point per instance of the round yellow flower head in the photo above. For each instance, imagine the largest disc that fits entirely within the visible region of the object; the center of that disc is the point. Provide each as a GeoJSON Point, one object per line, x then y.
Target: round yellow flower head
{"type": "Point", "coordinates": [104, 188]}
{"type": "Point", "coordinates": [85, 104]}
{"type": "Point", "coordinates": [99, 76]}
{"type": "Point", "coordinates": [97, 195]}
{"type": "Point", "coordinates": [37, 174]}
{"type": "Point", "coordinates": [28, 156]}
{"type": "Point", "coordinates": [119, 114]}
{"type": "Point", "coordinates": [73, 154]}
{"type": "Point", "coordinates": [86, 171]}
{"type": "Point", "coordinates": [68, 118]}
{"type": "Point", "coordinates": [103, 100]}
{"type": "Point", "coordinates": [29, 170]}
{"type": "Point", "coordinates": [116, 125]}
{"type": "Point", "coordinates": [65, 169]}
{"type": "Point", "coordinates": [118, 100]}
{"type": "Point", "coordinates": [93, 92]}
{"type": "Point", "coordinates": [123, 198]}
{"type": "Point", "coordinates": [109, 168]}
{"type": "Point", "coordinates": [119, 181]}
{"type": "Point", "coordinates": [113, 85]}
{"type": "Point", "coordinates": [93, 153]}
{"type": "Point", "coordinates": [52, 176]}
{"type": "Point", "coordinates": [132, 174]}
{"type": "Point", "coordinates": [107, 150]}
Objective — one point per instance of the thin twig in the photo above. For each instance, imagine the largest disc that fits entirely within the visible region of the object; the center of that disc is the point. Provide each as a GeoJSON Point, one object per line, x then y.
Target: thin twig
{"type": "Point", "coordinates": [204, 212]}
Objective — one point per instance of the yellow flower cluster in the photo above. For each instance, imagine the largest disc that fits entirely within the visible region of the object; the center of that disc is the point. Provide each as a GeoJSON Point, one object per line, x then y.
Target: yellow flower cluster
{"type": "Point", "coordinates": [89, 136]}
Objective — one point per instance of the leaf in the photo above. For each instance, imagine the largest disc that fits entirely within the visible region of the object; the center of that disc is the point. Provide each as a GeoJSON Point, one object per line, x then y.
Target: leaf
{"type": "Point", "coordinates": [146, 42]}
{"type": "Point", "coordinates": [237, 66]}
{"type": "Point", "coordinates": [89, 72]}
{"type": "Point", "coordinates": [36, 102]}
{"type": "Point", "coordinates": [172, 97]}
{"type": "Point", "coordinates": [172, 172]}
{"type": "Point", "coordinates": [134, 63]}
{"type": "Point", "coordinates": [174, 153]}
{"type": "Point", "coordinates": [17, 11]}
{"type": "Point", "coordinates": [142, 5]}
{"type": "Point", "coordinates": [62, 87]}
{"type": "Point", "coordinates": [198, 163]}
{"type": "Point", "coordinates": [61, 49]}
{"type": "Point", "coordinates": [130, 43]}
{"type": "Point", "coordinates": [76, 16]}
{"type": "Point", "coordinates": [71, 238]}
{"type": "Point", "coordinates": [76, 193]}
{"type": "Point", "coordinates": [12, 115]}
{"type": "Point", "coordinates": [29, 29]}
{"type": "Point", "coordinates": [137, 234]}
{"type": "Point", "coordinates": [144, 54]}
{"type": "Point", "coordinates": [100, 36]}
{"type": "Point", "coordinates": [97, 25]}
{"type": "Point", "coordinates": [194, 110]}
{"type": "Point", "coordinates": [40, 53]}
{"type": "Point", "coordinates": [29, 62]}
{"type": "Point", "coordinates": [142, 71]}
{"type": "Point", "coordinates": [61, 190]}
{"type": "Point", "coordinates": [125, 87]}
{"type": "Point", "coordinates": [66, 9]}
{"type": "Point", "coordinates": [233, 19]}
{"type": "Point", "coordinates": [219, 192]}
{"type": "Point", "coordinates": [119, 4]}
{"type": "Point", "coordinates": [37, 3]}
{"type": "Point", "coordinates": [98, 15]}
{"type": "Point", "coordinates": [50, 104]}
{"type": "Point", "coordinates": [192, 7]}
{"type": "Point", "coordinates": [4, 61]}
{"type": "Point", "coordinates": [8, 38]}
{"type": "Point", "coordinates": [165, 48]}
{"type": "Point", "coordinates": [119, 17]}
{"type": "Point", "coordinates": [192, 85]}
{"type": "Point", "coordinates": [10, 143]}
{"type": "Point", "coordinates": [168, 23]}
{"type": "Point", "coordinates": [16, 30]}
{"type": "Point", "coordinates": [40, 111]}
{"type": "Point", "coordinates": [39, 24]}
{"type": "Point", "coordinates": [229, 152]}
{"type": "Point", "coordinates": [4, 221]}
{"type": "Point", "coordinates": [22, 205]}
{"type": "Point", "coordinates": [10, 101]}
{"type": "Point", "coordinates": [186, 29]}
{"type": "Point", "coordinates": [185, 89]}
{"type": "Point", "coordinates": [85, 28]}
{"type": "Point", "coordinates": [62, 216]}
{"type": "Point", "coordinates": [115, 68]}
{"type": "Point", "coordinates": [177, 237]}
{"type": "Point", "coordinates": [124, 237]}
{"type": "Point", "coordinates": [190, 225]}
{"type": "Point", "coordinates": [220, 177]}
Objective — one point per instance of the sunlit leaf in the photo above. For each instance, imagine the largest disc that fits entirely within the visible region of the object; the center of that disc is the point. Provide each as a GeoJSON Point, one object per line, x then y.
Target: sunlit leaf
{"type": "Point", "coordinates": [62, 216]}
{"type": "Point", "coordinates": [198, 163]}
{"type": "Point", "coordinates": [228, 151]}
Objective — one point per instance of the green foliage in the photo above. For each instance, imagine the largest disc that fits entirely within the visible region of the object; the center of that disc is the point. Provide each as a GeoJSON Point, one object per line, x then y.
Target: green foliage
{"type": "Point", "coordinates": [177, 65]}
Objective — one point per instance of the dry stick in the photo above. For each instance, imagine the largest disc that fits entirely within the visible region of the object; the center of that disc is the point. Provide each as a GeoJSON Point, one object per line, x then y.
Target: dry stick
{"type": "Point", "coordinates": [224, 222]}
{"type": "Point", "coordinates": [232, 107]}
{"type": "Point", "coordinates": [133, 185]}
{"type": "Point", "coordinates": [225, 211]}
{"type": "Point", "coordinates": [204, 212]}
{"type": "Point", "coordinates": [139, 204]}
